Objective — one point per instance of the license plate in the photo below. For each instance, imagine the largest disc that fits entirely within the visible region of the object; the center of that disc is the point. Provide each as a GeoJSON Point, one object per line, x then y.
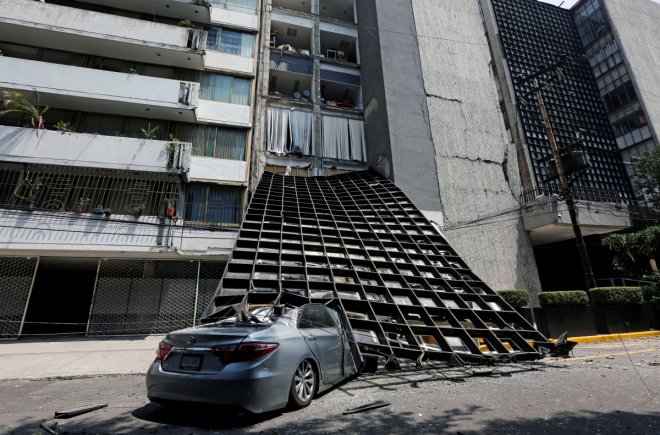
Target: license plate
{"type": "Point", "coordinates": [191, 362]}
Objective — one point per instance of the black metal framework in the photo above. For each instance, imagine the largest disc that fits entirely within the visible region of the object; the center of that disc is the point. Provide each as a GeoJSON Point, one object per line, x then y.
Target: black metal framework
{"type": "Point", "coordinates": [356, 241]}
{"type": "Point", "coordinates": [534, 34]}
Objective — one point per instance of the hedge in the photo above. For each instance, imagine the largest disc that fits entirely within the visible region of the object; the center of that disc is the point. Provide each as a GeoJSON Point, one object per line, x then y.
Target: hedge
{"type": "Point", "coordinates": [656, 301]}
{"type": "Point", "coordinates": [617, 295]}
{"type": "Point", "coordinates": [561, 298]}
{"type": "Point", "coordinates": [650, 292]}
{"type": "Point", "coordinates": [515, 298]}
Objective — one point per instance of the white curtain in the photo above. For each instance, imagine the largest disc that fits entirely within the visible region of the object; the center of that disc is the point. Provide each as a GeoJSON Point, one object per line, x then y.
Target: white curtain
{"type": "Point", "coordinates": [336, 140]}
{"type": "Point", "coordinates": [356, 132]}
{"type": "Point", "coordinates": [278, 130]}
{"type": "Point", "coordinates": [301, 131]}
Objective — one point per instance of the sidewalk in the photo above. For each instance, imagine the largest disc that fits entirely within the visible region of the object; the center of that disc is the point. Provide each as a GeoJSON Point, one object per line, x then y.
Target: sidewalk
{"type": "Point", "coordinates": [45, 357]}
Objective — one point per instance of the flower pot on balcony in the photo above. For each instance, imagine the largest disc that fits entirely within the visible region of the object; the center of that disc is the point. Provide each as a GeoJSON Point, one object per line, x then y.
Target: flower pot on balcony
{"type": "Point", "coordinates": [137, 215]}
{"type": "Point", "coordinates": [79, 208]}
{"type": "Point", "coordinates": [170, 212]}
{"type": "Point", "coordinates": [107, 212]}
{"type": "Point", "coordinates": [98, 210]}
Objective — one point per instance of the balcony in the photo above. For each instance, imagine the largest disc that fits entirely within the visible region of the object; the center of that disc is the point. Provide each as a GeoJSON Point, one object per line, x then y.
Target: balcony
{"type": "Point", "coordinates": [91, 90]}
{"type": "Point", "coordinates": [547, 220]}
{"type": "Point", "coordinates": [53, 26]}
{"type": "Point", "coordinates": [290, 77]}
{"type": "Point", "coordinates": [193, 10]}
{"type": "Point", "coordinates": [341, 88]}
{"type": "Point", "coordinates": [30, 146]}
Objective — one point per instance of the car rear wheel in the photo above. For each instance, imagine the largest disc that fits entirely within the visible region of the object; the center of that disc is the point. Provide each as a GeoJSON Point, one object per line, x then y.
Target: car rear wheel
{"type": "Point", "coordinates": [303, 385]}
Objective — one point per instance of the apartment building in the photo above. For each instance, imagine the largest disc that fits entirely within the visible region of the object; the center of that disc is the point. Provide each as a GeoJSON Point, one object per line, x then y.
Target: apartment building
{"type": "Point", "coordinates": [622, 51]}
{"type": "Point", "coordinates": [118, 215]}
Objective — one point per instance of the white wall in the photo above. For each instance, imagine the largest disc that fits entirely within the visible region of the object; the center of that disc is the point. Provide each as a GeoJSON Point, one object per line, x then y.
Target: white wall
{"type": "Point", "coordinates": [223, 113]}
{"type": "Point", "coordinates": [230, 18]}
{"type": "Point", "coordinates": [217, 170]}
{"type": "Point", "coordinates": [26, 145]}
{"type": "Point", "coordinates": [232, 63]}
{"type": "Point", "coordinates": [476, 166]}
{"type": "Point", "coordinates": [54, 79]}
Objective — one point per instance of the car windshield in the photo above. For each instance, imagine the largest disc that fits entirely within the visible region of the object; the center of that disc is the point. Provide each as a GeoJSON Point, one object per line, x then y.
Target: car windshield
{"type": "Point", "coordinates": [262, 316]}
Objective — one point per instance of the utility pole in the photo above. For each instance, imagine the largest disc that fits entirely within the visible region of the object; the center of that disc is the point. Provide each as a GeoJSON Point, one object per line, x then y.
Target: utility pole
{"type": "Point", "coordinates": [566, 193]}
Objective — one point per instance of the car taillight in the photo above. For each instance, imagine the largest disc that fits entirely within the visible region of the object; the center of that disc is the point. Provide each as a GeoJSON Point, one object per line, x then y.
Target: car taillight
{"type": "Point", "coordinates": [163, 349]}
{"type": "Point", "coordinates": [243, 352]}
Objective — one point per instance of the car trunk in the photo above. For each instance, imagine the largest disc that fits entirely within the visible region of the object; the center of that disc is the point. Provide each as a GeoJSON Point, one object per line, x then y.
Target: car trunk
{"type": "Point", "coordinates": [191, 348]}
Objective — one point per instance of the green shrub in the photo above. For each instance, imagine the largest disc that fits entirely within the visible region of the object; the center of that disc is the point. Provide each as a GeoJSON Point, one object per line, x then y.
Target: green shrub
{"type": "Point", "coordinates": [650, 292]}
{"type": "Point", "coordinates": [656, 301]}
{"type": "Point", "coordinates": [617, 295]}
{"type": "Point", "coordinates": [515, 298]}
{"type": "Point", "coordinates": [570, 297]}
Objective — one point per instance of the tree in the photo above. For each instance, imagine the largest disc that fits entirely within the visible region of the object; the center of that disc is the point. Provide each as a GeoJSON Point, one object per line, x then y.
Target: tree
{"type": "Point", "coordinates": [16, 102]}
{"type": "Point", "coordinates": [633, 252]}
{"type": "Point", "coordinates": [647, 177]}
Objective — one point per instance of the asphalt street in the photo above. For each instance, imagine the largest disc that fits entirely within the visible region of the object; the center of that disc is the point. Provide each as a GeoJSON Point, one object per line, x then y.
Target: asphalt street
{"type": "Point", "coordinates": [606, 388]}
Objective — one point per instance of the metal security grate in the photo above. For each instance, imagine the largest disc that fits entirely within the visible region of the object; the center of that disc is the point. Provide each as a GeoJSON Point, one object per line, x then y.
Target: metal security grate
{"type": "Point", "coordinates": [148, 296]}
{"type": "Point", "coordinates": [357, 241]}
{"type": "Point", "coordinates": [16, 277]}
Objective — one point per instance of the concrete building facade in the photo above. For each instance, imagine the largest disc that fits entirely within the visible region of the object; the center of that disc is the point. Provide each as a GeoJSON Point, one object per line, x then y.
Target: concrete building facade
{"type": "Point", "coordinates": [164, 114]}
{"type": "Point", "coordinates": [118, 216]}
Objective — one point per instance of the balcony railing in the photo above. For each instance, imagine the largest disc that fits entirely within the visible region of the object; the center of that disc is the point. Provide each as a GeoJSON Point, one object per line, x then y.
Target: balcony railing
{"type": "Point", "coordinates": [580, 193]}
{"type": "Point", "coordinates": [85, 192]}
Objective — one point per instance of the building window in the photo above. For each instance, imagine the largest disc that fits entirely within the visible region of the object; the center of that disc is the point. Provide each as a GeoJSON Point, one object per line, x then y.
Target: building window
{"type": "Point", "coordinates": [213, 141]}
{"type": "Point", "coordinates": [230, 41]}
{"type": "Point", "coordinates": [225, 89]}
{"type": "Point", "coordinates": [343, 138]}
{"type": "Point", "coordinates": [214, 205]}
{"type": "Point", "coordinates": [289, 131]}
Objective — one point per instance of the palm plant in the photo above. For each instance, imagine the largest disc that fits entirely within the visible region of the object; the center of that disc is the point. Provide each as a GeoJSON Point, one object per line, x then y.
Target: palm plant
{"type": "Point", "coordinates": [16, 102]}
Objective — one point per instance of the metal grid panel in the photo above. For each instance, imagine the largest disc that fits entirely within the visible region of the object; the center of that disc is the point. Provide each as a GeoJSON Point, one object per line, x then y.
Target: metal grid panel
{"type": "Point", "coordinates": [357, 241]}
{"type": "Point", "coordinates": [16, 276]}
{"type": "Point", "coordinates": [143, 297]}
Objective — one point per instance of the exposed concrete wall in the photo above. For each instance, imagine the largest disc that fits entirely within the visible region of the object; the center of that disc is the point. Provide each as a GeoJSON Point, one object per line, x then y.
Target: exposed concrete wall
{"type": "Point", "coordinates": [636, 25]}
{"type": "Point", "coordinates": [476, 166]}
{"type": "Point", "coordinates": [399, 139]}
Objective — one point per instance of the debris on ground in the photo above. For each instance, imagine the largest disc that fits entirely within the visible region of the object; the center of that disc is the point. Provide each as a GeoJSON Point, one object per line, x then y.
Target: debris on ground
{"type": "Point", "coordinates": [53, 427]}
{"type": "Point", "coordinates": [370, 406]}
{"type": "Point", "coordinates": [73, 412]}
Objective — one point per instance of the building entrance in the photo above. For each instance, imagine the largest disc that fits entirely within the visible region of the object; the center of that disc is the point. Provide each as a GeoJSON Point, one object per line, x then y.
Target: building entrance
{"type": "Point", "coordinates": [61, 296]}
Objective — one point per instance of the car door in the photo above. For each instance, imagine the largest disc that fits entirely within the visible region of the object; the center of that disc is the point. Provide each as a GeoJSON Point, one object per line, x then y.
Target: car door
{"type": "Point", "coordinates": [322, 335]}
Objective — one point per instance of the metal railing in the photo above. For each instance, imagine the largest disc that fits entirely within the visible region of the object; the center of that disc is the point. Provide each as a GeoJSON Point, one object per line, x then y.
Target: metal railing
{"type": "Point", "coordinates": [579, 193]}
{"type": "Point", "coordinates": [83, 192]}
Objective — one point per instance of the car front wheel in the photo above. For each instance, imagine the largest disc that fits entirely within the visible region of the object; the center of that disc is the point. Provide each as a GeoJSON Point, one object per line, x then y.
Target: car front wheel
{"type": "Point", "coordinates": [303, 385]}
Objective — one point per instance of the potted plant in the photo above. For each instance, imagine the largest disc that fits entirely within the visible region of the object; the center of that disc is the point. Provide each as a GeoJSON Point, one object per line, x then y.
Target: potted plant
{"type": "Point", "coordinates": [29, 190]}
{"type": "Point", "coordinates": [619, 309]}
{"type": "Point", "coordinates": [107, 212]}
{"type": "Point", "coordinates": [171, 148]}
{"type": "Point", "coordinates": [63, 126]}
{"type": "Point", "coordinates": [566, 311]}
{"type": "Point", "coordinates": [170, 210]}
{"type": "Point", "coordinates": [137, 211]}
{"type": "Point", "coordinates": [99, 209]}
{"type": "Point", "coordinates": [81, 205]}
{"type": "Point", "coordinates": [16, 102]}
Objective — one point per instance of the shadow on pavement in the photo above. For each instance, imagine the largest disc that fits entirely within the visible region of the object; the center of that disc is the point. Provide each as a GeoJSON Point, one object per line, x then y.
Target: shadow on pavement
{"type": "Point", "coordinates": [201, 416]}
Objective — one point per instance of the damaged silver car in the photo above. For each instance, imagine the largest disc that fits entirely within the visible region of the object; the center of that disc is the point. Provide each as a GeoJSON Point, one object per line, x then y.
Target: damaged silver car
{"type": "Point", "coordinates": [260, 361]}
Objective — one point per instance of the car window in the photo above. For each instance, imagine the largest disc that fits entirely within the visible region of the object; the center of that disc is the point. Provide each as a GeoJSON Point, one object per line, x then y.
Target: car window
{"type": "Point", "coordinates": [315, 316]}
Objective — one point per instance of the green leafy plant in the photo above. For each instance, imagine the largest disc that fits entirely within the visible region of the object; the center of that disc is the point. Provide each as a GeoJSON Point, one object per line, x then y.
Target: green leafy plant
{"type": "Point", "coordinates": [634, 251]}
{"type": "Point", "coordinates": [16, 102]}
{"type": "Point", "coordinates": [647, 175]}
{"type": "Point", "coordinates": [515, 298]}
{"type": "Point", "coordinates": [29, 190]}
{"type": "Point", "coordinates": [150, 132]}
{"type": "Point", "coordinates": [656, 302]}
{"type": "Point", "coordinates": [563, 298]}
{"type": "Point", "coordinates": [84, 200]}
{"type": "Point", "coordinates": [63, 126]}
{"type": "Point", "coordinates": [617, 295]}
{"type": "Point", "coordinates": [138, 210]}
{"type": "Point", "coordinates": [186, 23]}
{"type": "Point", "coordinates": [649, 292]}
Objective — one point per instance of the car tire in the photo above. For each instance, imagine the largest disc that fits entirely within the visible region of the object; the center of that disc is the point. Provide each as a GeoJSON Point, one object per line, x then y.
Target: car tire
{"type": "Point", "coordinates": [303, 385]}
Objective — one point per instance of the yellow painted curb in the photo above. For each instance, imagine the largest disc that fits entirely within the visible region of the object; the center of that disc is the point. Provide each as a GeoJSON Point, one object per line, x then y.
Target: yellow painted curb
{"type": "Point", "coordinates": [613, 337]}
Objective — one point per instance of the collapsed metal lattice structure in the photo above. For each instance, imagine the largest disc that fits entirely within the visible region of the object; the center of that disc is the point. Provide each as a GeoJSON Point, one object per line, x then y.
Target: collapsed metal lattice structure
{"type": "Point", "coordinates": [357, 242]}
